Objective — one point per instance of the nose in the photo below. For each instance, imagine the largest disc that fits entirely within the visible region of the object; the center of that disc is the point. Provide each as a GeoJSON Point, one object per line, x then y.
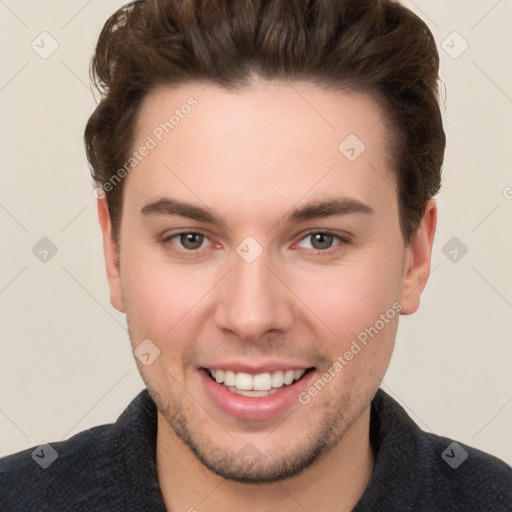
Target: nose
{"type": "Point", "coordinates": [253, 301]}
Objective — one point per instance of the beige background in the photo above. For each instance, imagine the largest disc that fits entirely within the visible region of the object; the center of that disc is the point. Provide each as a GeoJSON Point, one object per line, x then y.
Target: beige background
{"type": "Point", "coordinates": [65, 360]}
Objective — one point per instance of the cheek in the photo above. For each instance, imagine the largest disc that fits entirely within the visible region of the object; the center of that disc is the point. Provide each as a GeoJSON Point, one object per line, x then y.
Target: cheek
{"type": "Point", "coordinates": [357, 307]}
{"type": "Point", "coordinates": [158, 295]}
{"type": "Point", "coordinates": [351, 297]}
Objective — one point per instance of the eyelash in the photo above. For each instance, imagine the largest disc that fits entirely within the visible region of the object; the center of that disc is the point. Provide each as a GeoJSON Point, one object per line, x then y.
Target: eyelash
{"type": "Point", "coordinates": [342, 240]}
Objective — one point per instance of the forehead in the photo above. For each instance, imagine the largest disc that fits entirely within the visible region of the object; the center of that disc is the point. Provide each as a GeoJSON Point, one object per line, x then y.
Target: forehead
{"type": "Point", "coordinates": [274, 141]}
{"type": "Point", "coordinates": [276, 112]}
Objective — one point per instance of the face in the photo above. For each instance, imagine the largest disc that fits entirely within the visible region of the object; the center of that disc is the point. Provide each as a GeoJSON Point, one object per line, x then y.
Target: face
{"type": "Point", "coordinates": [261, 255]}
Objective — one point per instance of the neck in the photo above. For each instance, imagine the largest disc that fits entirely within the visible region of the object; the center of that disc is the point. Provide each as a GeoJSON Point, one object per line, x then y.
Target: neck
{"type": "Point", "coordinates": [336, 482]}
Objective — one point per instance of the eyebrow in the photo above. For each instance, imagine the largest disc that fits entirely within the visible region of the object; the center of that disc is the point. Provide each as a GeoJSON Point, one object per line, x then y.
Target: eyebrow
{"type": "Point", "coordinates": [168, 206]}
{"type": "Point", "coordinates": [314, 210]}
{"type": "Point", "coordinates": [327, 208]}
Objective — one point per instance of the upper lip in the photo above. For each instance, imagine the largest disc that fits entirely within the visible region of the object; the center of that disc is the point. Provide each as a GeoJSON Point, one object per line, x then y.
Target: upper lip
{"type": "Point", "coordinates": [255, 369]}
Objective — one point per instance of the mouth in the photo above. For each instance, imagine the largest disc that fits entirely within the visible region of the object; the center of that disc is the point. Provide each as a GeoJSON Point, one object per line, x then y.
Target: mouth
{"type": "Point", "coordinates": [255, 396]}
{"type": "Point", "coordinates": [255, 385]}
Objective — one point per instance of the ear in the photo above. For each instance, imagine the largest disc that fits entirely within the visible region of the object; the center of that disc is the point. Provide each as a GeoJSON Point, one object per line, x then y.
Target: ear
{"type": "Point", "coordinates": [111, 254]}
{"type": "Point", "coordinates": [418, 259]}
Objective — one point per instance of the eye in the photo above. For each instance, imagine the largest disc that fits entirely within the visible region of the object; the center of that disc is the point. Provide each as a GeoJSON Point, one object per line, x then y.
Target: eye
{"type": "Point", "coordinates": [190, 241]}
{"type": "Point", "coordinates": [322, 242]}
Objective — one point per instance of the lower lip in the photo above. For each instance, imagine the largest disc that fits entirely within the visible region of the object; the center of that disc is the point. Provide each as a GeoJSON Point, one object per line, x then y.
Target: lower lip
{"type": "Point", "coordinates": [255, 408]}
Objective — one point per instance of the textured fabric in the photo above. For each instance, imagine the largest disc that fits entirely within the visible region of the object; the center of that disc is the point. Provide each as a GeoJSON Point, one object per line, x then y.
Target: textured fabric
{"type": "Point", "coordinates": [112, 468]}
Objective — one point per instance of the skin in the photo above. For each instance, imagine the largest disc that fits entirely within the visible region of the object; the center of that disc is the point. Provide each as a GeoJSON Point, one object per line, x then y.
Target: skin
{"type": "Point", "coordinates": [251, 157]}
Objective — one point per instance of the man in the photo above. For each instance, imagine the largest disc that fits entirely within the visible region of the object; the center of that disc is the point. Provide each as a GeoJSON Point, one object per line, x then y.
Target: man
{"type": "Point", "coordinates": [266, 174]}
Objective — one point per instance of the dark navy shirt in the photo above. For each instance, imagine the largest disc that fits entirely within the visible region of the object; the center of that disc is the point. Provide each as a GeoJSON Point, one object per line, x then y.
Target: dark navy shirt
{"type": "Point", "coordinates": [113, 468]}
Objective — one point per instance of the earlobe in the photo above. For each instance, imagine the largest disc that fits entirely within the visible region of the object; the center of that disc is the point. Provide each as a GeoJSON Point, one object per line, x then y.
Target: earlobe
{"type": "Point", "coordinates": [111, 254]}
{"type": "Point", "coordinates": [418, 260]}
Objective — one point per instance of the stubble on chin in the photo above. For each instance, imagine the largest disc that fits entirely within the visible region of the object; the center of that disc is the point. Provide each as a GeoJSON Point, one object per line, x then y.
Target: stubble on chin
{"type": "Point", "coordinates": [245, 462]}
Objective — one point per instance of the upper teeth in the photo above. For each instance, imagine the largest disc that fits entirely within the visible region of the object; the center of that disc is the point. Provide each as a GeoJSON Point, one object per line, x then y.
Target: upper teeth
{"type": "Point", "coordinates": [259, 382]}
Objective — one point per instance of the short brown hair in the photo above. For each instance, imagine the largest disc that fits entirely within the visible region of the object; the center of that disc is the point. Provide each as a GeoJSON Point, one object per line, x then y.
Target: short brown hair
{"type": "Point", "coordinates": [377, 47]}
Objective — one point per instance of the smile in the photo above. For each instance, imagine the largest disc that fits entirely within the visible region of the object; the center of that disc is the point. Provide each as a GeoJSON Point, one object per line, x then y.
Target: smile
{"type": "Point", "coordinates": [261, 384]}
{"type": "Point", "coordinates": [256, 396]}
